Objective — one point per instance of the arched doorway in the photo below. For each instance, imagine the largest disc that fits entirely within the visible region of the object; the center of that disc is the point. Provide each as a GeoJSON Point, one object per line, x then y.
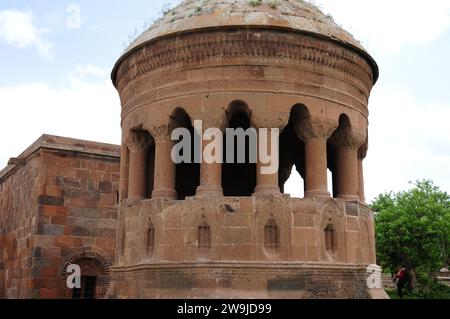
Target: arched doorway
{"type": "Point", "coordinates": [94, 277]}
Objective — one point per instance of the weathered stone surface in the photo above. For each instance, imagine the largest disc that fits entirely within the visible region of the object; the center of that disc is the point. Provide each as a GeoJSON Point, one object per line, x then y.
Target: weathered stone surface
{"type": "Point", "coordinates": [50, 211]}
{"type": "Point", "coordinates": [181, 231]}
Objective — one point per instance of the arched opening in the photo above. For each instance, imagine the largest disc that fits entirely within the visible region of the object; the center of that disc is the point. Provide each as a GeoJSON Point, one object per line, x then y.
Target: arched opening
{"type": "Point", "coordinates": [331, 164]}
{"type": "Point", "coordinates": [187, 172]}
{"type": "Point", "coordinates": [94, 277]}
{"type": "Point", "coordinates": [332, 160]}
{"type": "Point", "coordinates": [271, 236]}
{"type": "Point", "coordinates": [150, 240]}
{"type": "Point", "coordinates": [330, 238]}
{"type": "Point", "coordinates": [292, 154]}
{"type": "Point", "coordinates": [330, 182]}
{"type": "Point", "coordinates": [239, 171]}
{"type": "Point", "coordinates": [204, 235]}
{"type": "Point", "coordinates": [90, 271]}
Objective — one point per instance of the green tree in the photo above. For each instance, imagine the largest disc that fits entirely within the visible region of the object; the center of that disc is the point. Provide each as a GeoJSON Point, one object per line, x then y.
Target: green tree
{"type": "Point", "coordinates": [413, 228]}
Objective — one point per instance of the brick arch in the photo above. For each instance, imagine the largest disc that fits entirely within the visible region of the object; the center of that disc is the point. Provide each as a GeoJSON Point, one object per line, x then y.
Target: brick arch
{"type": "Point", "coordinates": [91, 263]}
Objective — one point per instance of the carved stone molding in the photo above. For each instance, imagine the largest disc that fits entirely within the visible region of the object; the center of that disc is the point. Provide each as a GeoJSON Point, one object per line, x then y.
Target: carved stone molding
{"type": "Point", "coordinates": [133, 101]}
{"type": "Point", "coordinates": [218, 47]}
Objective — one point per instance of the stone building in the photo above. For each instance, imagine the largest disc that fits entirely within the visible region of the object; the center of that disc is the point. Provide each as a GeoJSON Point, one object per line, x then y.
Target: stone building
{"type": "Point", "coordinates": [189, 230]}
{"type": "Point", "coordinates": [58, 207]}
{"type": "Point", "coordinates": [226, 230]}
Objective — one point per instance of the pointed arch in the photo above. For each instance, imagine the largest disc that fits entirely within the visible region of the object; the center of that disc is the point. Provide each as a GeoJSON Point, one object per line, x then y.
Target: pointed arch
{"type": "Point", "coordinates": [292, 148]}
{"type": "Point", "coordinates": [333, 232]}
{"type": "Point", "coordinates": [187, 173]}
{"type": "Point", "coordinates": [239, 179]}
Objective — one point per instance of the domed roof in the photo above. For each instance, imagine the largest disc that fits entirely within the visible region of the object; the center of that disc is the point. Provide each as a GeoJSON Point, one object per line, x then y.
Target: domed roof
{"type": "Point", "coordinates": [298, 15]}
{"type": "Point", "coordinates": [293, 14]}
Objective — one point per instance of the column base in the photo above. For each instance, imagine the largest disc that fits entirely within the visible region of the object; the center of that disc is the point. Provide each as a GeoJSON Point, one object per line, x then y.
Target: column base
{"type": "Point", "coordinates": [353, 198]}
{"type": "Point", "coordinates": [267, 189]}
{"type": "Point", "coordinates": [317, 194]}
{"type": "Point", "coordinates": [164, 193]}
{"type": "Point", "coordinates": [209, 191]}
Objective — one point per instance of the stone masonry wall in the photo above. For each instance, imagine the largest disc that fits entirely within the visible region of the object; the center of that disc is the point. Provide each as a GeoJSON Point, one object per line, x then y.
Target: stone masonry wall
{"type": "Point", "coordinates": [57, 201]}
{"type": "Point", "coordinates": [18, 210]}
{"type": "Point", "coordinates": [76, 213]}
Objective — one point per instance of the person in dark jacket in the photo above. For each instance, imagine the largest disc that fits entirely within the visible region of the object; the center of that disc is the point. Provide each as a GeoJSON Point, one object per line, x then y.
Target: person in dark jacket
{"type": "Point", "coordinates": [400, 280]}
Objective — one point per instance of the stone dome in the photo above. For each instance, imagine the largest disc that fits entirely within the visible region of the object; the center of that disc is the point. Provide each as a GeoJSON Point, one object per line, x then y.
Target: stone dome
{"type": "Point", "coordinates": [298, 15]}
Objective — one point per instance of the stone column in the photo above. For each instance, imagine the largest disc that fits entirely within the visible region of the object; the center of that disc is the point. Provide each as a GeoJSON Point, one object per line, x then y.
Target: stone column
{"type": "Point", "coordinates": [316, 179]}
{"type": "Point", "coordinates": [164, 181]}
{"type": "Point", "coordinates": [315, 134]}
{"type": "Point", "coordinates": [347, 143]}
{"type": "Point", "coordinates": [267, 183]}
{"type": "Point", "coordinates": [137, 184]}
{"type": "Point", "coordinates": [347, 172]}
{"type": "Point", "coordinates": [210, 173]}
{"type": "Point", "coordinates": [124, 171]}
{"type": "Point", "coordinates": [362, 152]}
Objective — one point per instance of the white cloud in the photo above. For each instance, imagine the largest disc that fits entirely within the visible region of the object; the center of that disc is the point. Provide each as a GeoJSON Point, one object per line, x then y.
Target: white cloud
{"type": "Point", "coordinates": [386, 26]}
{"type": "Point", "coordinates": [17, 28]}
{"type": "Point", "coordinates": [85, 110]}
{"type": "Point", "coordinates": [87, 73]}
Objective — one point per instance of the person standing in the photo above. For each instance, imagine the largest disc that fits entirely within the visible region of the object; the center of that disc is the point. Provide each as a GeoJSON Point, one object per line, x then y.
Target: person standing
{"type": "Point", "coordinates": [400, 279]}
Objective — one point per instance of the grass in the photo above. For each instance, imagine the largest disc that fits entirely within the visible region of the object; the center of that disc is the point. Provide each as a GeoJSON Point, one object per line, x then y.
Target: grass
{"type": "Point", "coordinates": [440, 292]}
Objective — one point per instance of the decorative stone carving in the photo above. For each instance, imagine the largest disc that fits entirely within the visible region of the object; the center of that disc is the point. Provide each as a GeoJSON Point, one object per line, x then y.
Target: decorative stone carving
{"type": "Point", "coordinates": [137, 140]}
{"type": "Point", "coordinates": [362, 151]}
{"type": "Point", "coordinates": [265, 242]}
{"type": "Point", "coordinates": [332, 218]}
{"type": "Point", "coordinates": [161, 132]}
{"type": "Point", "coordinates": [291, 49]}
{"type": "Point", "coordinates": [311, 128]}
{"type": "Point", "coordinates": [348, 137]}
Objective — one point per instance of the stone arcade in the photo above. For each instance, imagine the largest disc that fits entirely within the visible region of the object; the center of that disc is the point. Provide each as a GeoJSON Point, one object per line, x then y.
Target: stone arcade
{"type": "Point", "coordinates": [207, 230]}
{"type": "Point", "coordinates": [227, 230]}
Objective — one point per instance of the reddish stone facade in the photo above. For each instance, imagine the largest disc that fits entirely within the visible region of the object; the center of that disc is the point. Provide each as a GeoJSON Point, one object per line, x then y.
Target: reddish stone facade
{"type": "Point", "coordinates": [212, 230]}
{"type": "Point", "coordinates": [218, 230]}
{"type": "Point", "coordinates": [57, 206]}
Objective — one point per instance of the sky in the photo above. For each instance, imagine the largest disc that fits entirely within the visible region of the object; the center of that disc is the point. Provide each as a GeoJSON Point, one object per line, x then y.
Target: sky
{"type": "Point", "coordinates": [56, 58]}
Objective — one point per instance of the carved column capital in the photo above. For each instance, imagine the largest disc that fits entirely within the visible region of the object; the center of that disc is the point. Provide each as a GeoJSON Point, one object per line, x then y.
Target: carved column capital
{"type": "Point", "coordinates": [362, 151]}
{"type": "Point", "coordinates": [137, 140]}
{"type": "Point", "coordinates": [349, 138]}
{"type": "Point", "coordinates": [161, 132]}
{"type": "Point", "coordinates": [315, 128]}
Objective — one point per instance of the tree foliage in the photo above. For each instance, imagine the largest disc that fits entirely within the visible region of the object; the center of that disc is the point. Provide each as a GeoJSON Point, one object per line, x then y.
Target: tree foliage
{"type": "Point", "coordinates": [413, 228]}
